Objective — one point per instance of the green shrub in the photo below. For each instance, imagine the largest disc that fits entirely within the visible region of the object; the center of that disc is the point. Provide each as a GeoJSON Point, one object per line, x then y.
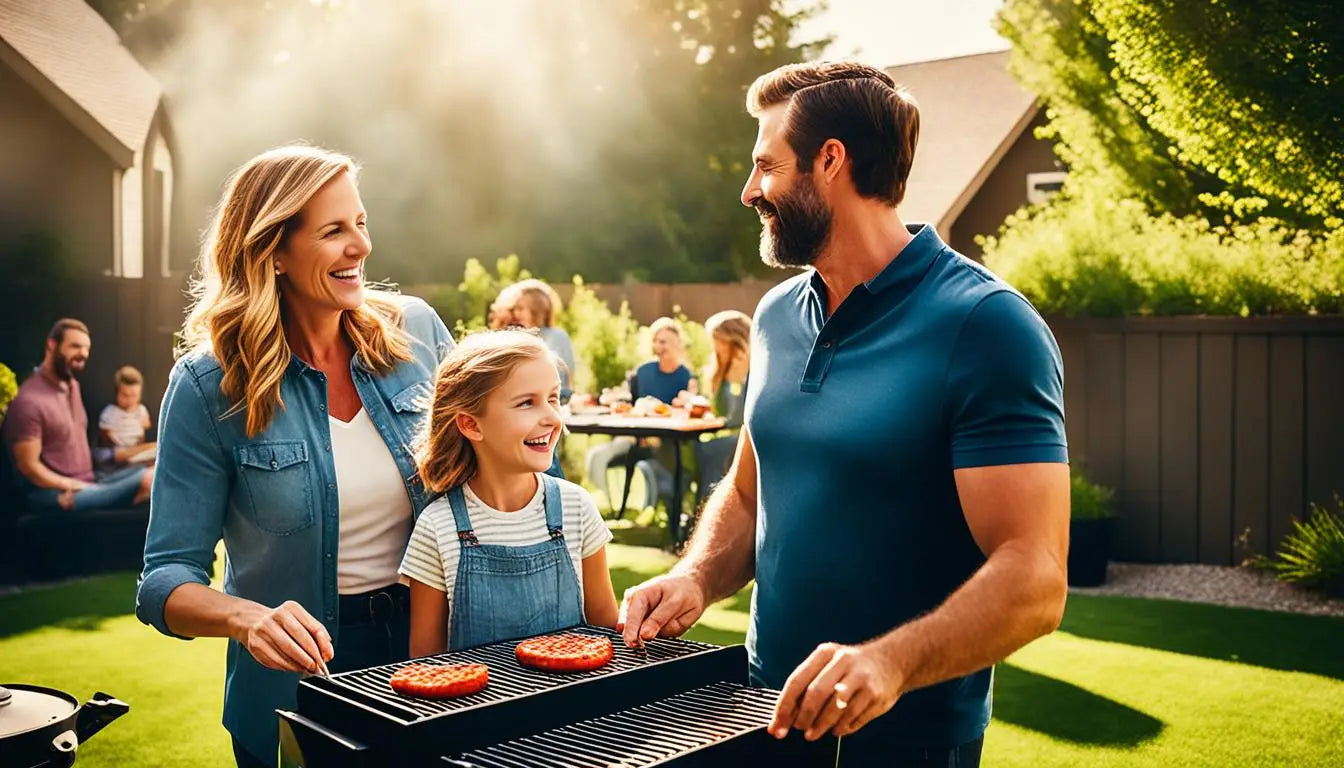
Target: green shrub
{"type": "Point", "coordinates": [1088, 500]}
{"type": "Point", "coordinates": [1312, 554]}
{"type": "Point", "coordinates": [9, 387]}
{"type": "Point", "coordinates": [463, 306]}
{"type": "Point", "coordinates": [606, 345]}
{"type": "Point", "coordinates": [1089, 255]}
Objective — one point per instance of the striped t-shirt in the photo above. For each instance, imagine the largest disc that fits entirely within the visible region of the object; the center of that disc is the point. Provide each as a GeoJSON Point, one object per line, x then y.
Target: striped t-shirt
{"type": "Point", "coordinates": [433, 553]}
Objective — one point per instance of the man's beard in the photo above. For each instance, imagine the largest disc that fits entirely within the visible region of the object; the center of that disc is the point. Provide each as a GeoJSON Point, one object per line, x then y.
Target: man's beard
{"type": "Point", "coordinates": [64, 371]}
{"type": "Point", "coordinates": [795, 229]}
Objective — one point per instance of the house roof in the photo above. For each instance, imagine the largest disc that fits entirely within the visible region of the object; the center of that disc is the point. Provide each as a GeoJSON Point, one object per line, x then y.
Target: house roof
{"type": "Point", "coordinates": [970, 112]}
{"type": "Point", "coordinates": [65, 50]}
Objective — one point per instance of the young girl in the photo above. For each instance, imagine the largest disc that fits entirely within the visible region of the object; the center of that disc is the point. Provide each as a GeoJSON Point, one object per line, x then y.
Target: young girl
{"type": "Point", "coordinates": [506, 551]}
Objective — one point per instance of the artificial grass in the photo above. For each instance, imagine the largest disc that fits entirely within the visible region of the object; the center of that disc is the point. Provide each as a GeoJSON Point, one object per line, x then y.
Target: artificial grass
{"type": "Point", "coordinates": [1125, 682]}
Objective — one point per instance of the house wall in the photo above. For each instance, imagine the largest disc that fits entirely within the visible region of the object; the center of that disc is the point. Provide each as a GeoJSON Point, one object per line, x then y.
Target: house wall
{"type": "Point", "coordinates": [158, 197]}
{"type": "Point", "coordinates": [1004, 191]}
{"type": "Point", "coordinates": [53, 178]}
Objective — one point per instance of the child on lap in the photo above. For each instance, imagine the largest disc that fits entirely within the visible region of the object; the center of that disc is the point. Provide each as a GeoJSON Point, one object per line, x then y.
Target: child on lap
{"type": "Point", "coordinates": [506, 551]}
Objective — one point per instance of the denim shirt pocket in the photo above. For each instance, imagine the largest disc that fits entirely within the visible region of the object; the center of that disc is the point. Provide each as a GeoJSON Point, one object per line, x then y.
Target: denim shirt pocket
{"type": "Point", "coordinates": [275, 484]}
{"type": "Point", "coordinates": [410, 409]}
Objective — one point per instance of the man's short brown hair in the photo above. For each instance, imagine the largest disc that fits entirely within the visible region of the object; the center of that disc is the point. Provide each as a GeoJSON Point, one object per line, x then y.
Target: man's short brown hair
{"type": "Point", "coordinates": [66, 324]}
{"type": "Point", "coordinates": [855, 104]}
{"type": "Point", "coordinates": [128, 376]}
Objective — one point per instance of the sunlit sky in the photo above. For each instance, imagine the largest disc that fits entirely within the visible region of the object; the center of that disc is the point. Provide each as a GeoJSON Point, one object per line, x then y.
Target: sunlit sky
{"type": "Point", "coordinates": [888, 32]}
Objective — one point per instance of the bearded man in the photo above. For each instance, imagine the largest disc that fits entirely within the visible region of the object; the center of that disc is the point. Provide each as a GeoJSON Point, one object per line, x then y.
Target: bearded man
{"type": "Point", "coordinates": [46, 429]}
{"type": "Point", "coordinates": [901, 491]}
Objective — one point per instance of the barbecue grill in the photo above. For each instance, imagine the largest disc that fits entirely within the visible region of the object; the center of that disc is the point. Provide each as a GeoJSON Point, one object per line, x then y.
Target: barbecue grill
{"type": "Point", "coordinates": [677, 702]}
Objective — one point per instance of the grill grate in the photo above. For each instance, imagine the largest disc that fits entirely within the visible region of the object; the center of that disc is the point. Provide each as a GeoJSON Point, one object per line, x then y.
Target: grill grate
{"type": "Point", "coordinates": [508, 679]}
{"type": "Point", "coordinates": [641, 736]}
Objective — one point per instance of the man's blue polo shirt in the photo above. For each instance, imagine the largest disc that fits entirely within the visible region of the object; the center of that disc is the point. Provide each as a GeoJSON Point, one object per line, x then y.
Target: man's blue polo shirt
{"type": "Point", "coordinates": [858, 421]}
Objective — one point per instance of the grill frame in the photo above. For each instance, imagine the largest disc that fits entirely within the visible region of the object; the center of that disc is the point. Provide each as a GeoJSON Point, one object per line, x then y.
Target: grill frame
{"type": "Point", "coordinates": [405, 732]}
{"type": "Point", "coordinates": [662, 732]}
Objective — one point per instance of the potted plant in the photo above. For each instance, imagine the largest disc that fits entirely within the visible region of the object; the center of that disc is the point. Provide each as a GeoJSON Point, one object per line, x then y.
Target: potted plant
{"type": "Point", "coordinates": [1091, 528]}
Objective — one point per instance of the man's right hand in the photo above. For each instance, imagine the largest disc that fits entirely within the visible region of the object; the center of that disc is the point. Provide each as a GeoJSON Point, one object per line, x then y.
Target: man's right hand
{"type": "Point", "coordinates": [66, 498]}
{"type": "Point", "coordinates": [666, 606]}
{"type": "Point", "coordinates": [286, 638]}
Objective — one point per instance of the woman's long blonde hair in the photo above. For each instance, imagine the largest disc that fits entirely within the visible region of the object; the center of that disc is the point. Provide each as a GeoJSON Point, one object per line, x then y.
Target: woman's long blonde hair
{"type": "Point", "coordinates": [236, 309]}
{"type": "Point", "coordinates": [474, 369]}
{"type": "Point", "coordinates": [734, 328]}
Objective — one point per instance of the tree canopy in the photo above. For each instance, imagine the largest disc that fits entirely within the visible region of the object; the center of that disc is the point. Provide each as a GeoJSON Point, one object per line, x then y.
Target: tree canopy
{"type": "Point", "coordinates": [602, 137]}
{"type": "Point", "coordinates": [1228, 109]}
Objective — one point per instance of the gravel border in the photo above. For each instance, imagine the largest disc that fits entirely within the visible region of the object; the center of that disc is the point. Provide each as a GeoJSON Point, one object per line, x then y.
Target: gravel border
{"type": "Point", "coordinates": [1217, 584]}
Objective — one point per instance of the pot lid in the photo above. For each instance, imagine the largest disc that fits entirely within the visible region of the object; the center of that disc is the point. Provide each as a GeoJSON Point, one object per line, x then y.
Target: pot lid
{"type": "Point", "coordinates": [31, 707]}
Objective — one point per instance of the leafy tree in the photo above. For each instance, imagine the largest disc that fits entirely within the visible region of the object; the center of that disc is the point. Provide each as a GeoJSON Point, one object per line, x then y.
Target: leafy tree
{"type": "Point", "coordinates": [1226, 109]}
{"type": "Point", "coordinates": [602, 137]}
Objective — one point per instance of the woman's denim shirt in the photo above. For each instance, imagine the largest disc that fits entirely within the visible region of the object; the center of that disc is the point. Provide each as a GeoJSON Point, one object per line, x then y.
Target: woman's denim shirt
{"type": "Point", "coordinates": [272, 498]}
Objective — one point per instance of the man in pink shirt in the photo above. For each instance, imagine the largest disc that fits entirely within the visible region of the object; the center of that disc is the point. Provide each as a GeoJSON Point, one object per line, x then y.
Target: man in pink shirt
{"type": "Point", "coordinates": [46, 429]}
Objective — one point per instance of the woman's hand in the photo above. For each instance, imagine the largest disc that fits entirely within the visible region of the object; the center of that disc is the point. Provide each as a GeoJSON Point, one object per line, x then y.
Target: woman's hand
{"type": "Point", "coordinates": [287, 637]}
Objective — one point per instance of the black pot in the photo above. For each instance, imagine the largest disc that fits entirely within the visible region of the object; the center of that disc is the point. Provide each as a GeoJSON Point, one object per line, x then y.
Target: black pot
{"type": "Point", "coordinates": [43, 726]}
{"type": "Point", "coordinates": [1089, 551]}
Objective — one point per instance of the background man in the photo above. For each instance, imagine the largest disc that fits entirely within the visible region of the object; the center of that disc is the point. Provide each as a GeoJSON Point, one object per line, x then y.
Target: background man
{"type": "Point", "coordinates": [46, 429]}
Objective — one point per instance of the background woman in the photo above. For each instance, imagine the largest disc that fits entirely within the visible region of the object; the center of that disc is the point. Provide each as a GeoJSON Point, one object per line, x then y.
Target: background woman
{"type": "Point", "coordinates": [534, 304]}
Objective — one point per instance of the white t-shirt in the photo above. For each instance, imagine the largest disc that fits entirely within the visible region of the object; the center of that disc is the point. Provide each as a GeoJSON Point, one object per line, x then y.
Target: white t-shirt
{"type": "Point", "coordinates": [375, 508]}
{"type": "Point", "coordinates": [434, 552]}
{"type": "Point", "coordinates": [127, 428]}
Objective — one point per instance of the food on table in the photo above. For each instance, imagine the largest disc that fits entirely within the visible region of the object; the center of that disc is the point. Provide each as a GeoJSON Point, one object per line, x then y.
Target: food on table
{"type": "Point", "coordinates": [698, 406]}
{"type": "Point", "coordinates": [569, 652]}
{"type": "Point", "coordinates": [650, 406]}
{"type": "Point", "coordinates": [621, 407]}
{"type": "Point", "coordinates": [440, 681]}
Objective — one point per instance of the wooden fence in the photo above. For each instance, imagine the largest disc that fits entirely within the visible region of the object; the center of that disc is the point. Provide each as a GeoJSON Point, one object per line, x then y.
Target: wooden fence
{"type": "Point", "coordinates": [1215, 432]}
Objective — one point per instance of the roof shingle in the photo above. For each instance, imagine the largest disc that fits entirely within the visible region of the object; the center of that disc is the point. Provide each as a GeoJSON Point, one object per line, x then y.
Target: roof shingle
{"type": "Point", "coordinates": [970, 111]}
{"type": "Point", "coordinates": [69, 44]}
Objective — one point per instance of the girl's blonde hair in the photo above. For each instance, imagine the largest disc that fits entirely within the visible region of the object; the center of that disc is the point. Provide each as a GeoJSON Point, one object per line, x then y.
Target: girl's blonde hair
{"type": "Point", "coordinates": [475, 368]}
{"type": "Point", "coordinates": [539, 297]}
{"type": "Point", "coordinates": [734, 328]}
{"type": "Point", "coordinates": [236, 306]}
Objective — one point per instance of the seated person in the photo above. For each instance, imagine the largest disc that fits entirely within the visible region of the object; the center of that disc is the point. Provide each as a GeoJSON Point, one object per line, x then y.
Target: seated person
{"type": "Point", "coordinates": [534, 304]}
{"type": "Point", "coordinates": [122, 425]}
{"type": "Point", "coordinates": [46, 429]}
{"type": "Point", "coordinates": [730, 333]}
{"type": "Point", "coordinates": [664, 378]}
{"type": "Point", "coordinates": [666, 375]}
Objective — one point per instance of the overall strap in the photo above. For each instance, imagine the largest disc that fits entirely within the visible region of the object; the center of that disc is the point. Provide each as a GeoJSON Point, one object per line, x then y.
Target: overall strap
{"type": "Point", "coordinates": [555, 511]}
{"type": "Point", "coordinates": [458, 502]}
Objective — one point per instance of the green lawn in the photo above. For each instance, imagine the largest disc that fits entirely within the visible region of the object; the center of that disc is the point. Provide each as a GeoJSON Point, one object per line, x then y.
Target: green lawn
{"type": "Point", "coordinates": [1124, 683]}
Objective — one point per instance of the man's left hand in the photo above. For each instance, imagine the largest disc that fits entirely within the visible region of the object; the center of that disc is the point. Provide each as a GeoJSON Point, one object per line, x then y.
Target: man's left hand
{"type": "Point", "coordinates": [838, 689]}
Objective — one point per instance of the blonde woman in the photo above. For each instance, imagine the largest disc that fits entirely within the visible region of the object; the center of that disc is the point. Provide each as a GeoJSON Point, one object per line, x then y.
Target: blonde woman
{"type": "Point", "coordinates": [730, 332]}
{"type": "Point", "coordinates": [534, 304]}
{"type": "Point", "coordinates": [286, 430]}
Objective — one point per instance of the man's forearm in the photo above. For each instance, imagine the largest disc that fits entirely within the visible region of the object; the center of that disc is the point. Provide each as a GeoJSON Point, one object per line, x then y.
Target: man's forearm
{"type": "Point", "coordinates": [722, 553]}
{"type": "Point", "coordinates": [1015, 597]}
{"type": "Point", "coordinates": [39, 475]}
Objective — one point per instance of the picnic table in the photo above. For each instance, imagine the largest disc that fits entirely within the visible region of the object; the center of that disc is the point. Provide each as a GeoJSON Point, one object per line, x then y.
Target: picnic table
{"type": "Point", "coordinates": [674, 429]}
